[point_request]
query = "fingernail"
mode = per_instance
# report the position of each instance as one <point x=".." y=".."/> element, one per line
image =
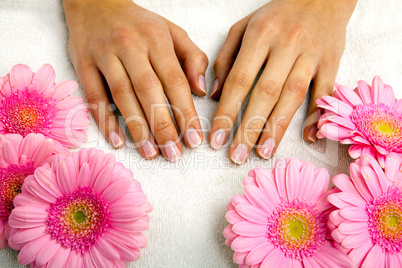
<point x="218" y="139"/>
<point x="172" y="152"/>
<point x="148" y="148"/>
<point x="214" y="87"/>
<point x="267" y="148"/>
<point x="193" y="138"/>
<point x="115" y="140"/>
<point x="201" y="83"/>
<point x="313" y="118"/>
<point x="239" y="155"/>
<point x="312" y="134"/>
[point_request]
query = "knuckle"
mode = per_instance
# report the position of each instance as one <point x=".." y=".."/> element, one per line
<point x="175" y="78"/>
<point x="268" y="89"/>
<point x="254" y="127"/>
<point x="239" y="78"/>
<point x="161" y="126"/>
<point x="121" y="89"/>
<point x="264" y="27"/>
<point x="298" y="33"/>
<point x="201" y="58"/>
<point x="298" y="87"/>
<point x="136" y="127"/>
<point x="146" y="83"/>
<point x="219" y="62"/>
<point x="93" y="97"/>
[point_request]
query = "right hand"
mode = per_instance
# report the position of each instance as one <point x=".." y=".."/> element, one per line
<point x="140" y="55"/>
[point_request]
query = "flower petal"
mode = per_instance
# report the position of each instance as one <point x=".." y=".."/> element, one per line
<point x="257" y="198"/>
<point x="29" y="252"/>
<point x="249" y="229"/>
<point x="372" y="181"/>
<point x="252" y="213"/>
<point x="364" y="91"/>
<point x="233" y="217"/>
<point x="292" y="179"/>
<point x="357" y="240"/>
<point x="20" y="76"/>
<point x="358" y="254"/>
<point x="375" y="258"/>
<point x="44" y="78"/>
<point x="258" y="254"/>
<point x="274" y="259"/>
<point x="347" y="95"/>
<point x="354" y="214"/>
<point x="106" y="249"/>
<point x="345" y="184"/>
<point x="26" y="235"/>
<point x="116" y="190"/>
<point x="47" y="252"/>
<point x="60" y="258"/>
<point x="103" y="179"/>
<point x="244" y="244"/>
<point x="351" y="227"/>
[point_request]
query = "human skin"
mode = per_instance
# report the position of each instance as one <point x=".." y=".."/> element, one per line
<point x="296" y="42"/>
<point x="142" y="57"/>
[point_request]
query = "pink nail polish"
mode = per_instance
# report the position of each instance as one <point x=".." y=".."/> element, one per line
<point x="201" y="83"/>
<point x="240" y="154"/>
<point x="172" y="152"/>
<point x="115" y="140"/>
<point x="218" y="139"/>
<point x="312" y="134"/>
<point x="148" y="148"/>
<point x="267" y="148"/>
<point x="193" y="138"/>
<point x="214" y="87"/>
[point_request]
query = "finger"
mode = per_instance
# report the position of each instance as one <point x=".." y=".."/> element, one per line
<point x="292" y="96"/>
<point x="126" y="101"/>
<point x="227" y="56"/>
<point x="193" y="60"/>
<point x="151" y="96"/>
<point x="99" y="104"/>
<point x="323" y="84"/>
<point x="262" y="101"/>
<point x="178" y="92"/>
<point x="251" y="57"/>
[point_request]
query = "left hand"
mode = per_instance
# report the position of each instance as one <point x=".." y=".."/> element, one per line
<point x="297" y="41"/>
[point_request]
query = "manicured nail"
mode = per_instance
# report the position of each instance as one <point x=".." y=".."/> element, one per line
<point x="201" y="83"/>
<point x="313" y="118"/>
<point x="172" y="152"/>
<point x="148" y="148"/>
<point x="193" y="138"/>
<point x="115" y="140"/>
<point x="267" y="148"/>
<point x="218" y="139"/>
<point x="239" y="155"/>
<point x="312" y="134"/>
<point x="214" y="87"/>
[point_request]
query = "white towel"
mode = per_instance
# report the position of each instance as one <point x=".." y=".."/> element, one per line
<point x="190" y="197"/>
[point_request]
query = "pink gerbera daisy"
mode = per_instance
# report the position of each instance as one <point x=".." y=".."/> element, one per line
<point x="19" y="157"/>
<point x="370" y="118"/>
<point x="83" y="211"/>
<point x="281" y="219"/>
<point x="33" y="103"/>
<point x="368" y="221"/>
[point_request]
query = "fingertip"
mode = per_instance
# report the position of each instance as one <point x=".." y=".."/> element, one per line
<point x="193" y="138"/>
<point x="117" y="140"/>
<point x="267" y="149"/>
<point x="172" y="151"/>
<point x="310" y="133"/>
<point x="215" y="92"/>
<point x="148" y="150"/>
<point x="200" y="87"/>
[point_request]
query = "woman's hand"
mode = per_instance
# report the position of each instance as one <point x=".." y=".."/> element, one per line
<point x="141" y="57"/>
<point x="297" y="42"/>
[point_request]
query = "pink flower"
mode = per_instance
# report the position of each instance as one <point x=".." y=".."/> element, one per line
<point x="281" y="219"/>
<point x="368" y="221"/>
<point x="33" y="103"/>
<point x="368" y="117"/>
<point x="19" y="157"/>
<point x="83" y="211"/>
